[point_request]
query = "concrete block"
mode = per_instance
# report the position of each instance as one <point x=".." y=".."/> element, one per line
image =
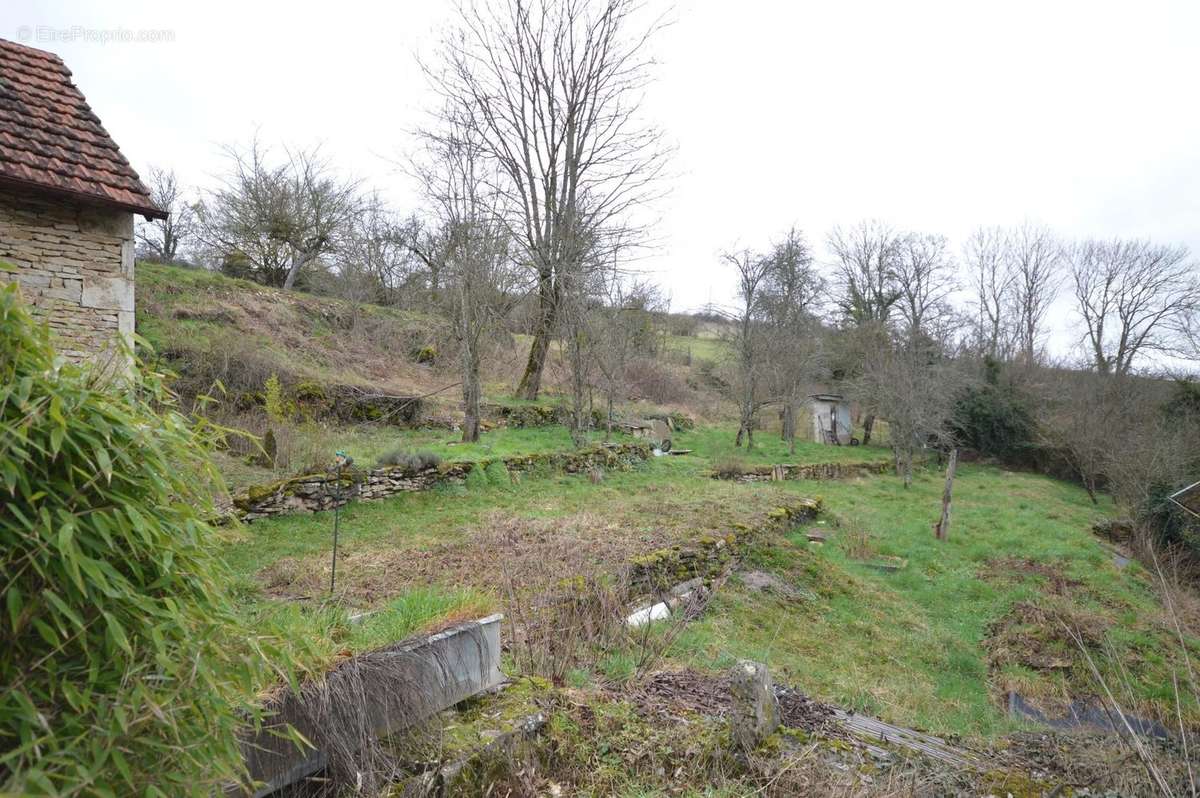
<point x="387" y="690"/>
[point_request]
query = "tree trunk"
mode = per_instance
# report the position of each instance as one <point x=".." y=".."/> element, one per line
<point x="868" y="424"/>
<point x="608" y="419"/>
<point x="908" y="458"/>
<point x="471" y="392"/>
<point x="298" y="263"/>
<point x="941" y="530"/>
<point x="531" y="381"/>
<point x="789" y="427"/>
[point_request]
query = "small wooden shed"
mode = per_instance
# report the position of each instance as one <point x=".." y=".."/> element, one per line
<point x="831" y="422"/>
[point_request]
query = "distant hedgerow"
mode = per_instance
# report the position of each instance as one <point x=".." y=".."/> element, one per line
<point x="122" y="664"/>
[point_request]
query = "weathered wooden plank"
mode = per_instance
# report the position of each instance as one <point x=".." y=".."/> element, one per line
<point x="868" y="728"/>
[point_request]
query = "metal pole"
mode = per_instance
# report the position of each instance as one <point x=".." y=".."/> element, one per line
<point x="337" y="507"/>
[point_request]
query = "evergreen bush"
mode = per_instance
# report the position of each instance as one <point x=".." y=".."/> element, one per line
<point x="122" y="663"/>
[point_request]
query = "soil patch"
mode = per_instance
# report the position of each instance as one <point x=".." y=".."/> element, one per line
<point x="1013" y="568"/>
<point x="668" y="694"/>
<point x="672" y="693"/>
<point x="370" y="575"/>
<point x="1039" y="635"/>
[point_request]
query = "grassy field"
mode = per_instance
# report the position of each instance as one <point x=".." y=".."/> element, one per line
<point x="708" y="348"/>
<point x="934" y="645"/>
<point x="938" y="643"/>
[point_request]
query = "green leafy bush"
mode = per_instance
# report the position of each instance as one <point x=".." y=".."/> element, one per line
<point x="277" y="406"/>
<point x="993" y="418"/>
<point x="122" y="663"/>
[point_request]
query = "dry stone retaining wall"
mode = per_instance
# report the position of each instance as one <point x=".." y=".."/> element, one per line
<point x="768" y="473"/>
<point x="707" y="556"/>
<point x="310" y="493"/>
<point x="74" y="265"/>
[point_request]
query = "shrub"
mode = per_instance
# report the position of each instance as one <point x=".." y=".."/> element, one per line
<point x="994" y="418"/>
<point x="498" y="475"/>
<point x="121" y="662"/>
<point x="425" y="355"/>
<point x="416" y="461"/>
<point x="651" y="380"/>
<point x="274" y="401"/>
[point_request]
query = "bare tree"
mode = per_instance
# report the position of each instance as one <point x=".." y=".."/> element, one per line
<point x="866" y="258"/>
<point x="750" y="339"/>
<point x="553" y="91"/>
<point x="619" y="332"/>
<point x="791" y="294"/>
<point x="476" y="258"/>
<point x="985" y="255"/>
<point x="925" y="278"/>
<point x="376" y="247"/>
<point x="1133" y="298"/>
<point x="578" y="325"/>
<point x="913" y="387"/>
<point x="1035" y="257"/>
<point x="167" y="239"/>
<point x="278" y="216"/>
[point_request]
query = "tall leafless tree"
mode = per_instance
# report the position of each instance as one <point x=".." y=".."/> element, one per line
<point x="279" y="215"/>
<point x="619" y="329"/>
<point x="476" y="258"/>
<point x="791" y="294"/>
<point x="912" y="385"/>
<point x="865" y="263"/>
<point x="985" y="258"/>
<point x="750" y="339"/>
<point x="1035" y="259"/>
<point x="925" y="278"/>
<point x="552" y="89"/>
<point x="1133" y="297"/>
<point x="167" y="239"/>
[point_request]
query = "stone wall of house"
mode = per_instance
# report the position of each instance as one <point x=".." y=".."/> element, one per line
<point x="314" y="492"/>
<point x="74" y="265"/>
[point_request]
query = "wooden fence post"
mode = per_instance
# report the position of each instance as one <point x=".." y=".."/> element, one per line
<point x="941" y="529"/>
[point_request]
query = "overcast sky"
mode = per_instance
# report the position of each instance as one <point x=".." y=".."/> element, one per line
<point x="932" y="116"/>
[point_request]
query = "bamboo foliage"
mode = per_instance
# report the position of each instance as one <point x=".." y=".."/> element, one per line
<point x="121" y="659"/>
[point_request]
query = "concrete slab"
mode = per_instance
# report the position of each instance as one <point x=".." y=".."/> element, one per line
<point x="372" y="694"/>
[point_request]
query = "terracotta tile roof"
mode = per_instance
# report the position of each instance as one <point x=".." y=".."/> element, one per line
<point x="51" y="140"/>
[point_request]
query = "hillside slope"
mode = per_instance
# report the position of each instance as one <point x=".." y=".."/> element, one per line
<point x="209" y="327"/>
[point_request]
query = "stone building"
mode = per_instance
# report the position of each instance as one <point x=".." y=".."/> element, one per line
<point x="67" y="204"/>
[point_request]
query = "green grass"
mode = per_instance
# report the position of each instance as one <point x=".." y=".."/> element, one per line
<point x="907" y="646"/>
<point x="713" y="443"/>
<point x="315" y="634"/>
<point x="367" y="445"/>
<point x="702" y="348"/>
<point x="312" y="446"/>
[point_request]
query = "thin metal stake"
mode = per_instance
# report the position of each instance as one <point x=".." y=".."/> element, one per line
<point x="337" y="507"/>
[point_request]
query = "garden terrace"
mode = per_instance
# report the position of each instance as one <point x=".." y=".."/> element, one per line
<point x="936" y="617"/>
